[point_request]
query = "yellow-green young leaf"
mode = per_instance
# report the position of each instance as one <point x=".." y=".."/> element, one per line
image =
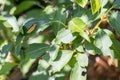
<point x="82" y="3"/>
<point x="77" y="25"/>
<point x="95" y="5"/>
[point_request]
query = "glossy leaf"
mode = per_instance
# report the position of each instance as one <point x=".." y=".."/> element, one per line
<point x="66" y="55"/>
<point x="82" y="60"/>
<point x="82" y="3"/>
<point x="39" y="75"/>
<point x="40" y="25"/>
<point x="114" y="20"/>
<point x="103" y="2"/>
<point x="7" y="48"/>
<point x="36" y="50"/>
<point x="43" y="65"/>
<point x="65" y="36"/>
<point x="77" y="25"/>
<point x="53" y="51"/>
<point x="26" y="65"/>
<point x="95" y="5"/>
<point x="76" y="73"/>
<point x="59" y="19"/>
<point x="103" y="42"/>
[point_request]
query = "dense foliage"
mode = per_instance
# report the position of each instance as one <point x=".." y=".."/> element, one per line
<point x="55" y="39"/>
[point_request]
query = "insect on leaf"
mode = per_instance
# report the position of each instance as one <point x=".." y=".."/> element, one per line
<point x="32" y="28"/>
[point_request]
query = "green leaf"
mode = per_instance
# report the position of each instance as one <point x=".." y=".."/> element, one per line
<point x="38" y="24"/>
<point x="95" y="5"/>
<point x="53" y="51"/>
<point x="39" y="76"/>
<point x="76" y="73"/>
<point x="6" y="67"/>
<point x="35" y="50"/>
<point x="7" y="48"/>
<point x="11" y="20"/>
<point x="114" y="20"/>
<point x="65" y="36"/>
<point x="34" y="13"/>
<point x="115" y="47"/>
<point x="77" y="25"/>
<point x="59" y="19"/>
<point x="103" y="2"/>
<point x="103" y="42"/>
<point x="82" y="3"/>
<point x="66" y="55"/>
<point x="17" y="49"/>
<point x="43" y="64"/>
<point x="26" y="65"/>
<point x="82" y="60"/>
<point x="116" y="4"/>
<point x="23" y="6"/>
<point x="92" y="49"/>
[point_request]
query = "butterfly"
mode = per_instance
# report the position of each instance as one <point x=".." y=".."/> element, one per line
<point x="31" y="28"/>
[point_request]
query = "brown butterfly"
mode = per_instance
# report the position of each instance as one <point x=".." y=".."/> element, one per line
<point x="31" y="28"/>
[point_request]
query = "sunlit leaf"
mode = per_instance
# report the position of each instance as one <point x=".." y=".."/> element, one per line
<point x="82" y="60"/>
<point x="26" y="65"/>
<point x="76" y="73"/>
<point x="39" y="75"/>
<point x="82" y="3"/>
<point x="103" y="42"/>
<point x="65" y="36"/>
<point x="53" y="51"/>
<point x="95" y="5"/>
<point x="43" y="65"/>
<point x="103" y="2"/>
<point x="77" y="25"/>
<point x="13" y="22"/>
<point x="64" y="59"/>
